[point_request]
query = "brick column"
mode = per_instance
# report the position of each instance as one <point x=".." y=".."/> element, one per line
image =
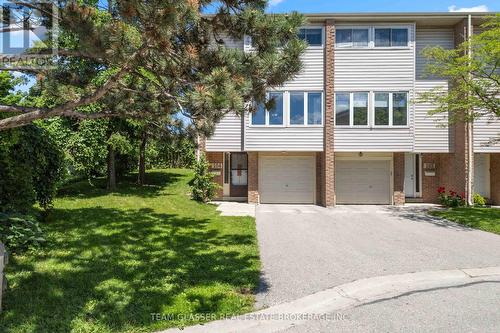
<point x="463" y="157"/>
<point x="253" y="177"/>
<point x="328" y="154"/>
<point x="495" y="178"/>
<point x="399" y="178"/>
<point x="217" y="159"/>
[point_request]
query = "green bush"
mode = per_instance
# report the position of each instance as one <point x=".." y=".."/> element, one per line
<point x="479" y="200"/>
<point x="20" y="233"/>
<point x="203" y="188"/>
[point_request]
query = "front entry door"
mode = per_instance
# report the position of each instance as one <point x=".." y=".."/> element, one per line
<point x="239" y="175"/>
<point x="412" y="175"/>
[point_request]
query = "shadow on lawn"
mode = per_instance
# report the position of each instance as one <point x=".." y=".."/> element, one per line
<point x="155" y="183"/>
<point x="115" y="267"/>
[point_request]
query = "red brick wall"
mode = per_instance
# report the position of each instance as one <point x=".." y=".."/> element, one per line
<point x="399" y="178"/>
<point x="329" y="155"/>
<point x="217" y="157"/>
<point x="253" y="177"/>
<point x="495" y="178"/>
<point x="319" y="179"/>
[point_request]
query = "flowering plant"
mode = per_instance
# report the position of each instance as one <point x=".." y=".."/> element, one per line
<point x="450" y="199"/>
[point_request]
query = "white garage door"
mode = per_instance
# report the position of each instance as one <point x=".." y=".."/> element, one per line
<point x="287" y="179"/>
<point x="363" y="182"/>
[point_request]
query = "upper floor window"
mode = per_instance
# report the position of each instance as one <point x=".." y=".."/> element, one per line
<point x="313" y="36"/>
<point x="352" y="37"/>
<point x="351" y="109"/>
<point x="387" y="37"/>
<point x="273" y="116"/>
<point x="389" y="109"/>
<point x="306" y="108"/>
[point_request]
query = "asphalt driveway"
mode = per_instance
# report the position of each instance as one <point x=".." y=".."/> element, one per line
<point x="305" y="249"/>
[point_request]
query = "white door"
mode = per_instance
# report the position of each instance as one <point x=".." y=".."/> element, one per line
<point x="409" y="175"/>
<point x="363" y="182"/>
<point x="482" y="174"/>
<point x="287" y="179"/>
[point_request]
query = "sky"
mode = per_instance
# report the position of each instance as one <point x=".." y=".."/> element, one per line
<point x="325" y="6"/>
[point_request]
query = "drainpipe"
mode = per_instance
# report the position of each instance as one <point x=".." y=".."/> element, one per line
<point x="470" y="142"/>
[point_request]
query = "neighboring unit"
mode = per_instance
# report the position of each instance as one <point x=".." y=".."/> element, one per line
<point x="349" y="129"/>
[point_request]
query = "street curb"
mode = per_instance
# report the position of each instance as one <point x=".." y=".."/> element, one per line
<point x="356" y="293"/>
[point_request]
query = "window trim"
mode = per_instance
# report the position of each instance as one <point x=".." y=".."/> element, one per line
<point x="266" y="115"/>
<point x="306" y="108"/>
<point x="391" y="110"/>
<point x="371" y="36"/>
<point x="352" y="42"/>
<point x="322" y="35"/>
<point x="351" y="109"/>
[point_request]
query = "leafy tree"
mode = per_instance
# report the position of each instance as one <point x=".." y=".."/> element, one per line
<point x="170" y="45"/>
<point x="203" y="187"/>
<point x="474" y="69"/>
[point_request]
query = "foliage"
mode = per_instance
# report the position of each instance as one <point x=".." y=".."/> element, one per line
<point x="450" y="199"/>
<point x="478" y="200"/>
<point x="31" y="166"/>
<point x="172" y="49"/>
<point x="475" y="78"/>
<point x="487" y="219"/>
<point x="110" y="260"/>
<point x="203" y="187"/>
<point x="20" y="233"/>
<point x="171" y="154"/>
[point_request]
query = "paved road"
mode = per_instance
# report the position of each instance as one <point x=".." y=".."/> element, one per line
<point x="305" y="249"/>
<point x="473" y="308"/>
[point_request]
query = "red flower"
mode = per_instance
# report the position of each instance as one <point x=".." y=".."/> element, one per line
<point x="462" y="195"/>
<point x="453" y="193"/>
<point x="441" y="190"/>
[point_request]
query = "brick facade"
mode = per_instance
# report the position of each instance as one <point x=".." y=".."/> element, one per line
<point x="495" y="178"/>
<point x="218" y="158"/>
<point x="320" y="184"/>
<point x="328" y="172"/>
<point x="253" y="177"/>
<point x="399" y="178"/>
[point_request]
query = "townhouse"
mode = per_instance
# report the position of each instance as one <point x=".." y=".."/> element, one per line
<point x="349" y="128"/>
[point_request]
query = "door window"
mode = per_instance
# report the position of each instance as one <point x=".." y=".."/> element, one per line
<point x="239" y="169"/>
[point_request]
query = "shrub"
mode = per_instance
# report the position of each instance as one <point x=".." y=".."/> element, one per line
<point x="19" y="232"/>
<point x="450" y="198"/>
<point x="203" y="188"/>
<point x="478" y="200"/>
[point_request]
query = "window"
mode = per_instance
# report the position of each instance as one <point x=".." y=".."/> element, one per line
<point x="360" y="109"/>
<point x="312" y="36"/>
<point x="351" y="37"/>
<point x="351" y="109"/>
<point x="385" y="37"/>
<point x="314" y="108"/>
<point x="382" y="109"/>
<point x="276" y="112"/>
<point x="391" y="109"/>
<point x="297" y="108"/>
<point x="399" y="109"/>
<point x="342" y="108"/>
<point x="273" y="116"/>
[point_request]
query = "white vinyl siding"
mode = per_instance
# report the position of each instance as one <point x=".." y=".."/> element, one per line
<point x="376" y="69"/>
<point x="486" y="135"/>
<point x="227" y="135"/>
<point x="432" y="133"/>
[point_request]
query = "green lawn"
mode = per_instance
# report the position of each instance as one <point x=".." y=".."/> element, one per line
<point x="113" y="259"/>
<point x="487" y="219"/>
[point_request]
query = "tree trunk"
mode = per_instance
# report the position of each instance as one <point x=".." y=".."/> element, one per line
<point x="141" y="177"/>
<point x="111" y="169"/>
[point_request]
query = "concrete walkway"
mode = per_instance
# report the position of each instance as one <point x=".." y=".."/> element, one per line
<point x="232" y="208"/>
<point x="320" y="305"/>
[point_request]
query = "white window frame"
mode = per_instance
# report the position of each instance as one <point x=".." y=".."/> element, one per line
<point x="391" y="93"/>
<point x="322" y="35"/>
<point x="267" y="124"/>
<point x="371" y="36"/>
<point x="351" y="109"/>
<point x="306" y="108"/>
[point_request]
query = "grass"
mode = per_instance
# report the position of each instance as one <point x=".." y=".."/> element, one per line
<point x="487" y="219"/>
<point x="113" y="259"/>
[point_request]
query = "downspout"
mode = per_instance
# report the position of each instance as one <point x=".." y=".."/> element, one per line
<point x="470" y="141"/>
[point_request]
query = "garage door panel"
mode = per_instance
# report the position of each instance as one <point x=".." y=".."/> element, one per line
<point x="287" y="179"/>
<point x="363" y="182"/>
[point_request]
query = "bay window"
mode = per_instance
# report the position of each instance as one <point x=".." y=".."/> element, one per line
<point x="351" y="109"/>
<point x="391" y="109"/>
